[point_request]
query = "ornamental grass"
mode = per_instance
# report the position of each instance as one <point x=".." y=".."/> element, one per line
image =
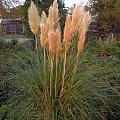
<point x="53" y="82"/>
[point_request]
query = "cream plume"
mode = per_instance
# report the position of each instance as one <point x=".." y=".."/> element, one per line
<point x="85" y="21"/>
<point x="43" y="35"/>
<point x="55" y="7"/>
<point x="44" y="18"/>
<point x="50" y="20"/>
<point x="67" y="32"/>
<point x="51" y="41"/>
<point x="81" y="42"/>
<point x="43" y="29"/>
<point x="33" y="18"/>
<point x="76" y="18"/>
<point x="58" y="42"/>
<point x="84" y="24"/>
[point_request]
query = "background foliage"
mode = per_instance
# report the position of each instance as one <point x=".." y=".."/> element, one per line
<point x="107" y="13"/>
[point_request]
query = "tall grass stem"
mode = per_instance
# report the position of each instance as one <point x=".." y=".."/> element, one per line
<point x="63" y="76"/>
<point x="51" y="73"/>
<point x="56" y="77"/>
<point x="38" y="56"/>
<point x="45" y="66"/>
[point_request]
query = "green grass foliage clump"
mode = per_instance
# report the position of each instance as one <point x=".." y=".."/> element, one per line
<point x="89" y="95"/>
<point x="59" y="81"/>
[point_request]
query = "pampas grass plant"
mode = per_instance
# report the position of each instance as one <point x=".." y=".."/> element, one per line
<point x="52" y="85"/>
<point x="33" y="18"/>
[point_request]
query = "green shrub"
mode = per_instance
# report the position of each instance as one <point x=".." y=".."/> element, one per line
<point x="5" y="112"/>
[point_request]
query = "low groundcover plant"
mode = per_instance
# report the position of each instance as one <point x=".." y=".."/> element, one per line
<point x="51" y="85"/>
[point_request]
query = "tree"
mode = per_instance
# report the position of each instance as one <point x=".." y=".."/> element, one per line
<point x="10" y="9"/>
<point x="107" y="13"/>
<point x="10" y="3"/>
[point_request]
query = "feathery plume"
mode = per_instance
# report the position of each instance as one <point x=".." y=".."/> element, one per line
<point x="43" y="29"/>
<point x="76" y="18"/>
<point x="55" y="7"/>
<point x="50" y="20"/>
<point x="84" y="24"/>
<point x="81" y="42"/>
<point x="44" y="18"/>
<point x="67" y="32"/>
<point x="58" y="42"/>
<point x="51" y="41"/>
<point x="43" y="35"/>
<point x="85" y="21"/>
<point x="33" y="18"/>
